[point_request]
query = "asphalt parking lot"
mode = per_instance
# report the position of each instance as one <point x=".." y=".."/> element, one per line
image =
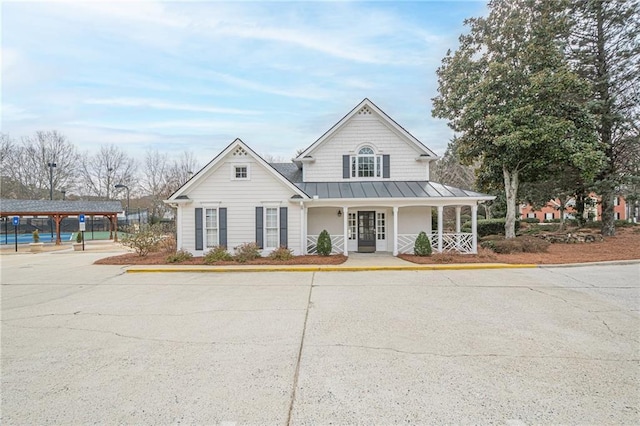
<point x="91" y="344"/>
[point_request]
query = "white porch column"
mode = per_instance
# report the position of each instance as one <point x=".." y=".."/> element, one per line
<point x="179" y="237"/>
<point x="303" y="227"/>
<point x="429" y="221"/>
<point x="458" y="208"/>
<point x="395" y="231"/>
<point x="474" y="229"/>
<point x="440" y="226"/>
<point x="345" y="224"/>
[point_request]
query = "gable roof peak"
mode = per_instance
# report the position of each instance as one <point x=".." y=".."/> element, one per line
<point x="366" y="107"/>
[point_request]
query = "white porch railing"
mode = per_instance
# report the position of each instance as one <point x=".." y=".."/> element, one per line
<point x="461" y="242"/>
<point x="337" y="244"/>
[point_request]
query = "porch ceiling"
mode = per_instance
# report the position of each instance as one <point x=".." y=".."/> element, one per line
<point x="387" y="189"/>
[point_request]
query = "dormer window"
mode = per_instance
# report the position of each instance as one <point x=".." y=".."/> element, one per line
<point x="366" y="164"/>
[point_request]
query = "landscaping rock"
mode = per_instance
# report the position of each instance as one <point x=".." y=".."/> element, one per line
<point x="571" y="238"/>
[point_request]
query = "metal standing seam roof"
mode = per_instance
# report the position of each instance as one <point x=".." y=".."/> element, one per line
<point x="58" y="206"/>
<point x="385" y="189"/>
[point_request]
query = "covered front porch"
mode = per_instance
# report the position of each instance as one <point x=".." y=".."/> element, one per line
<point x="387" y="228"/>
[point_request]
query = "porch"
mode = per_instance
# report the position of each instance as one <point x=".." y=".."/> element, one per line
<point x="460" y="242"/>
<point x="391" y="229"/>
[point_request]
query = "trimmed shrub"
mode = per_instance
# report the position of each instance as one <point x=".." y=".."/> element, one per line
<point x="422" y="246"/>
<point x="246" y="252"/>
<point x="524" y="244"/>
<point x="490" y="226"/>
<point x="36" y="236"/>
<point x="217" y="254"/>
<point x="623" y="224"/>
<point x="281" y="253"/>
<point x="530" y="220"/>
<point x="79" y="237"/>
<point x="168" y="244"/>
<point x="179" y="256"/>
<point x="144" y="241"/>
<point x="324" y="243"/>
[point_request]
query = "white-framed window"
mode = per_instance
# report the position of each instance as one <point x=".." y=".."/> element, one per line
<point x="617" y="215"/>
<point x="616" y="201"/>
<point x="351" y="227"/>
<point x="240" y="172"/>
<point x="380" y="226"/>
<point x="548" y="216"/>
<point x="366" y="164"/>
<point x="211" y="227"/>
<point x="531" y="215"/>
<point x="271" y="228"/>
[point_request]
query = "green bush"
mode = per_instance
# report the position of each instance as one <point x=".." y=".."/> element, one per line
<point x="490" y="226"/>
<point x="179" y="256"/>
<point x="623" y="224"/>
<point x="144" y="241"/>
<point x="465" y="218"/>
<point x="324" y="243"/>
<point x="523" y="244"/>
<point x="217" y="254"/>
<point x="246" y="252"/>
<point x="36" y="236"/>
<point x="422" y="246"/>
<point x="79" y="237"/>
<point x="530" y="220"/>
<point x="281" y="253"/>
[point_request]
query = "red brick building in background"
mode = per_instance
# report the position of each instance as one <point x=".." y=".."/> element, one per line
<point x="622" y="211"/>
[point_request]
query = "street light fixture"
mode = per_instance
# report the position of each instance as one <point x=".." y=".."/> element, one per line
<point x="126" y="213"/>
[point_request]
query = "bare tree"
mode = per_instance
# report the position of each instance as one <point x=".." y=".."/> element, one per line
<point x="182" y="169"/>
<point x="41" y="166"/>
<point x="450" y="171"/>
<point x="155" y="180"/>
<point x="108" y="167"/>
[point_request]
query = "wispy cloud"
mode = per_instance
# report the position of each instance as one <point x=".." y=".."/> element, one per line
<point x="156" y="104"/>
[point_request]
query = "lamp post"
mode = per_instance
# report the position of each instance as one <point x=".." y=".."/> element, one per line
<point x="51" y="166"/>
<point x="126" y="213"/>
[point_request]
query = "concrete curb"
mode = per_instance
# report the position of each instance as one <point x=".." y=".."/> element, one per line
<point x="328" y="268"/>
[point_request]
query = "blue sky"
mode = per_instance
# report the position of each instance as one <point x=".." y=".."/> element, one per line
<point x="195" y="75"/>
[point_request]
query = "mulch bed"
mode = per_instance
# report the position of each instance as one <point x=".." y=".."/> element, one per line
<point x="624" y="246"/>
<point x="160" y="259"/>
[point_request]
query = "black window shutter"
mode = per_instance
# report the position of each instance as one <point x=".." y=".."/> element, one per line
<point x="386" y="166"/>
<point x="222" y="217"/>
<point x="199" y="229"/>
<point x="283" y="227"/>
<point x="345" y="166"/>
<point x="259" y="228"/>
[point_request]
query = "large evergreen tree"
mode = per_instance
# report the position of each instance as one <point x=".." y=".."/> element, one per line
<point x="510" y="94"/>
<point x="605" y="50"/>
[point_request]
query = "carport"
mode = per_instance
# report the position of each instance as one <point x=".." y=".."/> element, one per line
<point x="60" y="209"/>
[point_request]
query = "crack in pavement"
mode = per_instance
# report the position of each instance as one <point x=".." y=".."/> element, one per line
<point x="150" y="339"/>
<point x="297" y="371"/>
<point x="79" y="313"/>
<point x="478" y="355"/>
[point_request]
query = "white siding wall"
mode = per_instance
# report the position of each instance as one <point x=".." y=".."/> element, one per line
<point x="365" y="129"/>
<point x="320" y="218"/>
<point x="412" y="220"/>
<point x="240" y="197"/>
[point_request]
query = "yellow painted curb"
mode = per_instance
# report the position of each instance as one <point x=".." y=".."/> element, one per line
<point x="323" y="268"/>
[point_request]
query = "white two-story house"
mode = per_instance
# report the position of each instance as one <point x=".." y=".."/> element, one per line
<point x="366" y="181"/>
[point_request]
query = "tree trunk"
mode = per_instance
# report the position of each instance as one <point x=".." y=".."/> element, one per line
<point x="608" y="228"/>
<point x="561" y="209"/>
<point x="511" y="191"/>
